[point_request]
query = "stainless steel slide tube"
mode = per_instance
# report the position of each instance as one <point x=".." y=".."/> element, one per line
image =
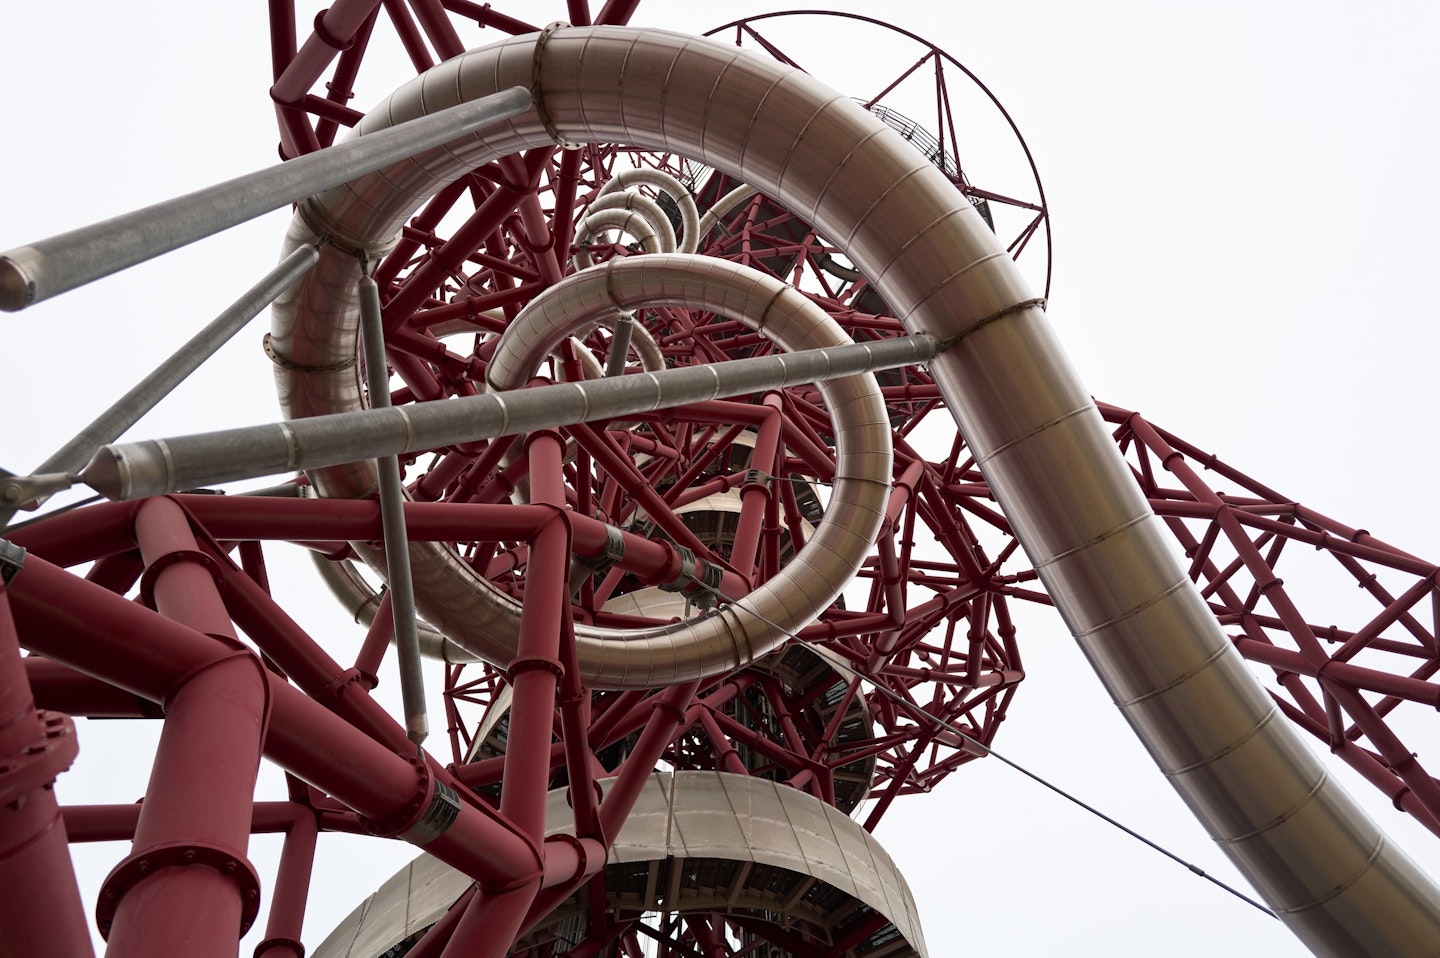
<point x="1312" y="854"/>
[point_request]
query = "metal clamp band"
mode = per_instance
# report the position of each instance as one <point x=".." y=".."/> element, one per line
<point x="585" y="566"/>
<point x="535" y="87"/>
<point x="708" y="579"/>
<point x="284" y="363"/>
<point x="12" y="557"/>
<point x="444" y="808"/>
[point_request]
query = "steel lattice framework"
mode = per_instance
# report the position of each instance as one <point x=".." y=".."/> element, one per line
<point x="162" y="607"/>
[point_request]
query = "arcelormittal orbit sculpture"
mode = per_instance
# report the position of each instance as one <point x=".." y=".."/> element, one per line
<point x="619" y="377"/>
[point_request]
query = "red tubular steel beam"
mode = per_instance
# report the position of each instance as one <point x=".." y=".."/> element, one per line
<point x="292" y="889"/>
<point x="116" y="823"/>
<point x="1365" y="762"/>
<point x="258" y="517"/>
<point x="578" y="12"/>
<point x="490" y="924"/>
<point x="535" y="670"/>
<point x="333" y="28"/>
<point x="187" y="886"/>
<point x="444" y="260"/>
<point x="1264" y="576"/>
<point x="581" y="765"/>
<point x="484" y="16"/>
<point x="438" y="28"/>
<point x="40" y="909"/>
<point x="99" y="633"/>
<point x="1352" y="676"/>
<point x="60" y="688"/>
<point x="434" y="941"/>
<point x="668" y="715"/>
<point x="755" y="495"/>
<point x="305" y="663"/>
<point x="82" y="535"/>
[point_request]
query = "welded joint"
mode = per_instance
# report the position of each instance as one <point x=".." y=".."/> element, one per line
<point x="238" y="652"/>
<point x="272" y="946"/>
<point x="536" y="95"/>
<point x="663" y="704"/>
<point x="535" y="663"/>
<point x="284" y="363"/>
<point x="328" y="37"/>
<point x="764" y="312"/>
<point x="326" y="234"/>
<point x="589" y="856"/>
<point x="943" y="344"/>
<point x="146" y="862"/>
<point x="419" y="809"/>
<point x="336" y="686"/>
<point x="160" y="563"/>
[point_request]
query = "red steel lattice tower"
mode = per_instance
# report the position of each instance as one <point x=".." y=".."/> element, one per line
<point x="685" y="638"/>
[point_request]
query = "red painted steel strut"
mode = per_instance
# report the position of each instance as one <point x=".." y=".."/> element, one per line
<point x="933" y="630"/>
<point x="187" y="886"/>
<point x="40" y="909"/>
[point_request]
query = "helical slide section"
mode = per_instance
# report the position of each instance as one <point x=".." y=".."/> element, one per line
<point x="1319" y="862"/>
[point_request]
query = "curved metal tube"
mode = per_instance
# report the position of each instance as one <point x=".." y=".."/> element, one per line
<point x="723" y="207"/>
<point x="472" y="613"/>
<point x="634" y="221"/>
<point x="635" y="202"/>
<point x="684" y="199"/>
<point x="1312" y="854"/>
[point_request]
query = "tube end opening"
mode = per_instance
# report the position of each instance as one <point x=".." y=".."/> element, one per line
<point x="17" y="289"/>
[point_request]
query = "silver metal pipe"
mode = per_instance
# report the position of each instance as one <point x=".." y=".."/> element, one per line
<point x="147" y="393"/>
<point x="1314" y="856"/>
<point x="620" y="345"/>
<point x="723" y="207"/>
<point x="153" y="467"/>
<point x="29" y="274"/>
<point x="660" y="180"/>
<point x="485" y="620"/>
<point x="633" y="222"/>
<point x="392" y="522"/>
<point x="634" y="202"/>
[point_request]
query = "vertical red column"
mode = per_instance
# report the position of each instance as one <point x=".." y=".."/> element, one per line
<point x="755" y="494"/>
<point x="535" y="671"/>
<point x="186" y="887"/>
<point x="40" y="910"/>
<point x="492" y="920"/>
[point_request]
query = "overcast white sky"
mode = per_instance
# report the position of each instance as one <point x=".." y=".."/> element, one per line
<point x="1242" y="197"/>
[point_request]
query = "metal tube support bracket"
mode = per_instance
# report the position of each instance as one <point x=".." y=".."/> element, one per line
<point x="55" y="474"/>
<point x="392" y="520"/>
<point x="160" y="466"/>
<point x="46" y="268"/>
